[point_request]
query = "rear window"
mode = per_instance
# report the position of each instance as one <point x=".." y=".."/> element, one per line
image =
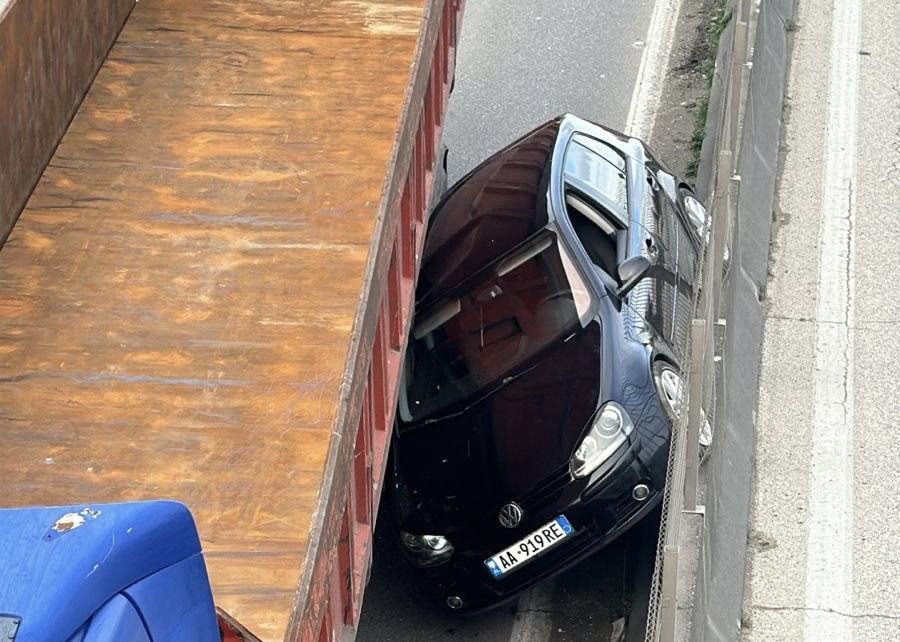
<point x="489" y="212"/>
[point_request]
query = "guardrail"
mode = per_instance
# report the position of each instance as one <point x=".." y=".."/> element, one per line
<point x="666" y="621"/>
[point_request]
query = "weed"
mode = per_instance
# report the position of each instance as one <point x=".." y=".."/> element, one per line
<point x="721" y="16"/>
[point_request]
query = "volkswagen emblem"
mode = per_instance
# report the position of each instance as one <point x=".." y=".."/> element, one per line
<point x="510" y="515"/>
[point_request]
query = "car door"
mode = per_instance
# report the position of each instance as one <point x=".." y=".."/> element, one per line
<point x="655" y="236"/>
<point x="685" y="258"/>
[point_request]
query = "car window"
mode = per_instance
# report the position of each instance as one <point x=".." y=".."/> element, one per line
<point x="680" y="243"/>
<point x="492" y="329"/>
<point x="596" y="231"/>
<point x="499" y="205"/>
<point x="655" y="297"/>
<point x="687" y="260"/>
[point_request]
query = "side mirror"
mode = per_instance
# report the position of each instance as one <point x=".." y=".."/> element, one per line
<point x="631" y="271"/>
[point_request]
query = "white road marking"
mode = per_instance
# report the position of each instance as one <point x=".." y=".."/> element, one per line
<point x="829" y="567"/>
<point x="534" y="621"/>
<point x="652" y="71"/>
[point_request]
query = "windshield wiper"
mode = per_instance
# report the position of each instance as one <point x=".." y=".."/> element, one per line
<point x="505" y="381"/>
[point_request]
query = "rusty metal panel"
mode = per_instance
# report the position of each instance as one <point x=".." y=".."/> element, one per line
<point x="186" y="307"/>
<point x="49" y="53"/>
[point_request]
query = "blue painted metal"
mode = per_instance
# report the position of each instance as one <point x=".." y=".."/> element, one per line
<point x="59" y="566"/>
<point x="176" y="603"/>
<point x="117" y="620"/>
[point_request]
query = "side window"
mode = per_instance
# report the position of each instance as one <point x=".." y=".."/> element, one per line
<point x="659" y="239"/>
<point x="597" y="233"/>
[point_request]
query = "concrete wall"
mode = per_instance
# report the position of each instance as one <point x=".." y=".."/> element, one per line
<point x="720" y="578"/>
<point x="50" y="51"/>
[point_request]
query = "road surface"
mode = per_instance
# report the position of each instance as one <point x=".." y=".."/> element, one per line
<point x="824" y="520"/>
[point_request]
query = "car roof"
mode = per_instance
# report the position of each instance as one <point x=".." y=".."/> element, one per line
<point x="598" y="171"/>
<point x="503" y="202"/>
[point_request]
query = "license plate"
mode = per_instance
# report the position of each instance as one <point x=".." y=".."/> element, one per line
<point x="546" y="537"/>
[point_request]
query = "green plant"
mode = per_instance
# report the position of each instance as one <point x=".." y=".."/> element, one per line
<point x="720" y="17"/>
<point x="697" y="137"/>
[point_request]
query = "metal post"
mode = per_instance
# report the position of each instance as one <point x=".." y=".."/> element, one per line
<point x="712" y="275"/>
<point x="720" y="240"/>
<point x="668" y="599"/>
<point x="738" y="65"/>
<point x="743" y="9"/>
<point x="723" y="174"/>
<point x="695" y="405"/>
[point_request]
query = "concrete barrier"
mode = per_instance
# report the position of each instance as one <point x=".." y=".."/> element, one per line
<point x="719" y="582"/>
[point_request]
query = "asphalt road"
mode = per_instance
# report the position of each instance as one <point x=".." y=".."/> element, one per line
<point x="520" y="63"/>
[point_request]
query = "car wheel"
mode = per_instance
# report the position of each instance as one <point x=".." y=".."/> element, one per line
<point x="670" y="386"/>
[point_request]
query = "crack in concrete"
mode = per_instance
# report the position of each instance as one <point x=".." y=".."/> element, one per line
<point x="803" y="609"/>
<point x="893" y="175"/>
<point x="829" y="560"/>
<point x="855" y="327"/>
<point x="848" y="304"/>
<point x="874" y="325"/>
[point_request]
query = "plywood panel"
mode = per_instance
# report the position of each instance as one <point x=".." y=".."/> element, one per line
<point x="177" y="299"/>
<point x="49" y="52"/>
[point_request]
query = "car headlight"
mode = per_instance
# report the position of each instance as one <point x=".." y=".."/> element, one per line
<point x="611" y="428"/>
<point x="427" y="550"/>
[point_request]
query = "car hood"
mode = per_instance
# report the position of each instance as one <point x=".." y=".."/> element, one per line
<point x="509" y="441"/>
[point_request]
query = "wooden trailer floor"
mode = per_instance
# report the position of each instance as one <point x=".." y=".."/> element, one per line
<point x="177" y="298"/>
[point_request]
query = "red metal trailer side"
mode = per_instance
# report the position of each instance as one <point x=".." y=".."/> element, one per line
<point x="372" y="393"/>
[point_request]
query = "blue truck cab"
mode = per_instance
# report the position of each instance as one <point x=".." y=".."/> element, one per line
<point x="130" y="572"/>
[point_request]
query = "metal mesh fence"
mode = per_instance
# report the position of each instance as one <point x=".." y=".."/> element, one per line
<point x="678" y="453"/>
<point x="700" y="348"/>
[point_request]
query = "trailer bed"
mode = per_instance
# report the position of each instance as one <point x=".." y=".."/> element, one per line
<point x="182" y="298"/>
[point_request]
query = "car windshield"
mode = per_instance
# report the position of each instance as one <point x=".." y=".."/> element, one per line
<point x="491" y="328"/>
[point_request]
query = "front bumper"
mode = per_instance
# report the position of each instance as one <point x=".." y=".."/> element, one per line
<point x="600" y="513"/>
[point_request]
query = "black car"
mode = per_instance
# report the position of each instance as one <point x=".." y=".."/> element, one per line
<point x="542" y="376"/>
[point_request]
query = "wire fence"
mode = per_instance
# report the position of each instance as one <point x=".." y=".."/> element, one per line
<point x="685" y="456"/>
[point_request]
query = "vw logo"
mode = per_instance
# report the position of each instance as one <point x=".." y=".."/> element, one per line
<point x="510" y="515"/>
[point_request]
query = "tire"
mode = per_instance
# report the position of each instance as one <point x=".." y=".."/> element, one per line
<point x="670" y="387"/>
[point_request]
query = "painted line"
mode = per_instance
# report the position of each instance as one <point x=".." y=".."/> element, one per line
<point x="829" y="565"/>
<point x="534" y="617"/>
<point x="651" y="75"/>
